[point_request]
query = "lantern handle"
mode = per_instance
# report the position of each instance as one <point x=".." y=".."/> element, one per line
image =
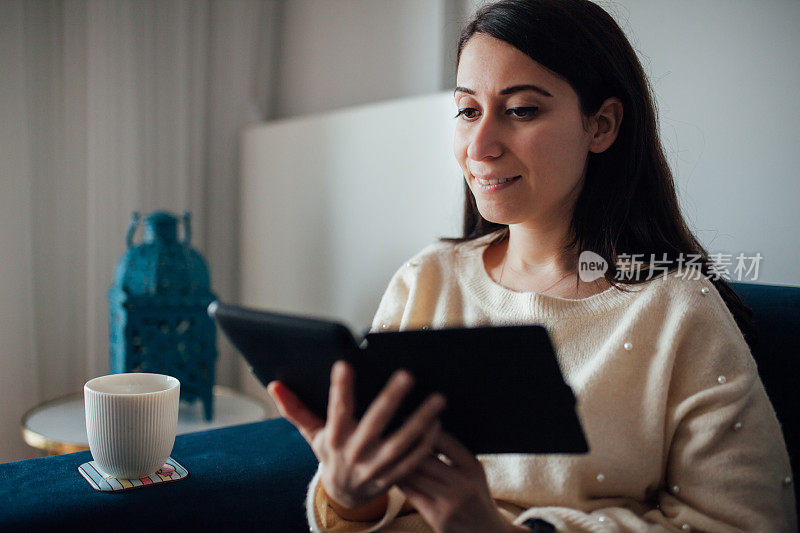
<point x="132" y="228"/>
<point x="187" y="227"/>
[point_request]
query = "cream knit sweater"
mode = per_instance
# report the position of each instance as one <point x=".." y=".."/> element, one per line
<point x="681" y="432"/>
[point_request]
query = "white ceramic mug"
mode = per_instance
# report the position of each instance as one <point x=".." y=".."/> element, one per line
<point x="131" y="421"/>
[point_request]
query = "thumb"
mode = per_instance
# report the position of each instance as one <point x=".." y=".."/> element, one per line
<point x="295" y="411"/>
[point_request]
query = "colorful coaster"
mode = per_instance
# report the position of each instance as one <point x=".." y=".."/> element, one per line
<point x="99" y="480"/>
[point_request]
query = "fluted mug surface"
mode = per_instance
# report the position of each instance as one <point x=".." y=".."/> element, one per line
<point x="131" y="420"/>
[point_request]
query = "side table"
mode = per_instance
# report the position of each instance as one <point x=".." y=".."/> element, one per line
<point x="59" y="426"/>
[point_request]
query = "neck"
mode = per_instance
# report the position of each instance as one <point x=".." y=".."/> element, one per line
<point x="539" y="251"/>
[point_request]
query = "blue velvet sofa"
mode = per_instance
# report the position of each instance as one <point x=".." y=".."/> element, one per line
<point x="253" y="477"/>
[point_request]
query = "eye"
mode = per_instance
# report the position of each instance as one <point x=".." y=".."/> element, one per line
<point x="522" y="112"/>
<point x="469" y="113"/>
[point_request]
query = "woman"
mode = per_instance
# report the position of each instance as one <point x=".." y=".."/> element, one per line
<point x="557" y="140"/>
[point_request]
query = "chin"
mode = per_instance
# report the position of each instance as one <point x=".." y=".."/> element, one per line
<point x="492" y="215"/>
<point x="497" y="213"/>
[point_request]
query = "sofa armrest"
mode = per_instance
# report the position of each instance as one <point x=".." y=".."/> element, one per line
<point x="249" y="477"/>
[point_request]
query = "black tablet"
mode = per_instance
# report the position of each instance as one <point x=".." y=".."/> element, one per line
<point x="504" y="389"/>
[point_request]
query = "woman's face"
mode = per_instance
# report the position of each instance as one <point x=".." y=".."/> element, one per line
<point x="509" y="129"/>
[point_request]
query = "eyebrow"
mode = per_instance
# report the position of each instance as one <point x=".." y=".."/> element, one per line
<point x="509" y="90"/>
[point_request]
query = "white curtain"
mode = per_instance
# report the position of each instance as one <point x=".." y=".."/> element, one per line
<point x="107" y="107"/>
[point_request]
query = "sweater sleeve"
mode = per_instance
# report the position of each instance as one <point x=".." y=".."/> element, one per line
<point x="726" y="465"/>
<point x="321" y="517"/>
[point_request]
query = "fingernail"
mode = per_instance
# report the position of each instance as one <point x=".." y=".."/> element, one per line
<point x="338" y="369"/>
<point x="438" y="401"/>
<point x="403" y="377"/>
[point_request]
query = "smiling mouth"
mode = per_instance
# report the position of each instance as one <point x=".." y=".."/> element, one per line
<point x="498" y="181"/>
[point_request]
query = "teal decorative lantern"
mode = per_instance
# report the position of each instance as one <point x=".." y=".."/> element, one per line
<point x="157" y="309"/>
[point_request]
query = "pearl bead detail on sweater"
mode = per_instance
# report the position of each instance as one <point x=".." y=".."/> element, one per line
<point x="601" y="477"/>
<point x="602" y="518"/>
<point x="686" y="527"/>
<point x="737" y="426"/>
<point x="676" y="489"/>
<point x="704" y="291"/>
<point x="721" y="380"/>
<point x="384" y="326"/>
<point x="787" y="481"/>
<point x="628" y="346"/>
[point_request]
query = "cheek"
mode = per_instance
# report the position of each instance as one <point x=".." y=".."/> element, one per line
<point x="545" y="140"/>
<point x="460" y="145"/>
<point x="553" y="150"/>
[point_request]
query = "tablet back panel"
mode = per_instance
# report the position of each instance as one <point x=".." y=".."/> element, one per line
<point x="504" y="389"/>
<point x="497" y="381"/>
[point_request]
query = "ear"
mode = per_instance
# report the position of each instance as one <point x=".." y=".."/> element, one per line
<point x="606" y="124"/>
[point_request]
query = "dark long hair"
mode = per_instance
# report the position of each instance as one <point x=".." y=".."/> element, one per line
<point x="628" y="203"/>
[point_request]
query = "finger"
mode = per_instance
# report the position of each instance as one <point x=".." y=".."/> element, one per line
<point x="455" y="451"/>
<point x="411" y="431"/>
<point x="295" y="411"/>
<point x="340" y="403"/>
<point x="383" y="407"/>
<point x="391" y="474"/>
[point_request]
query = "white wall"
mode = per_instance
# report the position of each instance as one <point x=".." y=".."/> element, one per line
<point x="726" y="75"/>
<point x="339" y="53"/>
<point x="333" y="204"/>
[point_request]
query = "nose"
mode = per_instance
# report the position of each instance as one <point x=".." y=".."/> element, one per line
<point x="485" y="141"/>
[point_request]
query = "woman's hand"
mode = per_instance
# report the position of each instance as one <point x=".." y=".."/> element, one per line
<point x="451" y="493"/>
<point x="357" y="463"/>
